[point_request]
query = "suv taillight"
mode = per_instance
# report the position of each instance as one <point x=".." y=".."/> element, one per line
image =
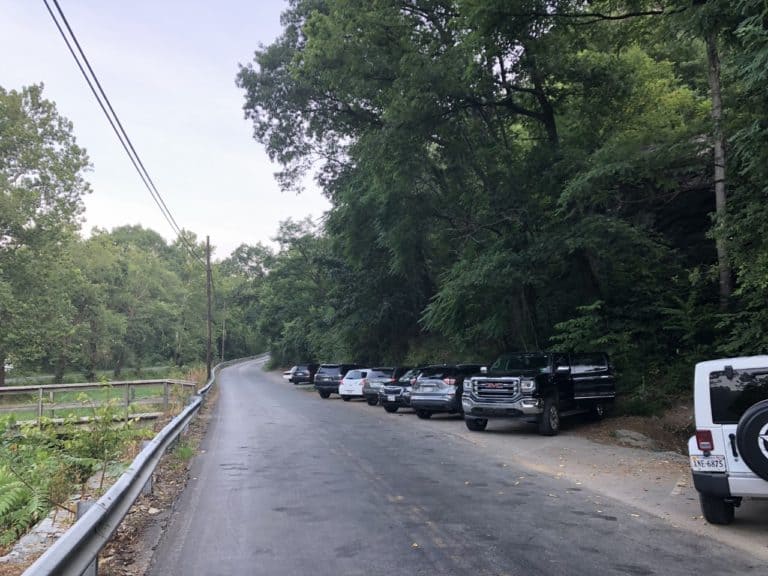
<point x="450" y="381"/>
<point x="704" y="440"/>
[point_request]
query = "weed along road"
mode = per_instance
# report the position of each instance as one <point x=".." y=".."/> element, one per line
<point x="290" y="484"/>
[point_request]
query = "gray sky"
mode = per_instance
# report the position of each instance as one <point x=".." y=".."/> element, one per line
<point x="168" y="67"/>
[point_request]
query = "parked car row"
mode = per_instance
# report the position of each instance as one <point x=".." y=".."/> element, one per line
<point x="728" y="453"/>
<point x="540" y="387"/>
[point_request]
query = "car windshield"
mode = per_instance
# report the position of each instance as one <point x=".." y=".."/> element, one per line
<point x="406" y="378"/>
<point x="523" y="361"/>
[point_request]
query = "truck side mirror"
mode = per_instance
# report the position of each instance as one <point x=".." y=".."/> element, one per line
<point x="483" y="369"/>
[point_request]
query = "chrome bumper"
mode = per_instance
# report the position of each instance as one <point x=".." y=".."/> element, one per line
<point x="525" y="406"/>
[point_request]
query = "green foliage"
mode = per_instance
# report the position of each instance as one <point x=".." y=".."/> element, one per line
<point x="41" y="465"/>
<point x="506" y="177"/>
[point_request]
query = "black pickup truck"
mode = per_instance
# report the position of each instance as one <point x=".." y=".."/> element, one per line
<point x="539" y="387"/>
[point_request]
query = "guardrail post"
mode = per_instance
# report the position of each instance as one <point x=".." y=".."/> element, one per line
<point x="82" y="507"/>
<point x="147" y="489"/>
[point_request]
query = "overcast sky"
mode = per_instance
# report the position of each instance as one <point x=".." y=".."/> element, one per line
<point x="168" y="67"/>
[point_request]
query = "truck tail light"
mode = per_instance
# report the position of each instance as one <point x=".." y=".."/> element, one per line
<point x="704" y="440"/>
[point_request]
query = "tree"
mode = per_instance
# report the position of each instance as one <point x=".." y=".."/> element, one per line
<point x="41" y="189"/>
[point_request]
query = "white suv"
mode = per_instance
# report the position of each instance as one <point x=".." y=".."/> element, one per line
<point x="729" y="453"/>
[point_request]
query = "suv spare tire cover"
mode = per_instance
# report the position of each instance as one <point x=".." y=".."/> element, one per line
<point x="752" y="438"/>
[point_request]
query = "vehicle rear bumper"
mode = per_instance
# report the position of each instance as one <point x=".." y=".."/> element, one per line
<point x="723" y="485"/>
<point x="327" y="387"/>
<point x="434" y="403"/>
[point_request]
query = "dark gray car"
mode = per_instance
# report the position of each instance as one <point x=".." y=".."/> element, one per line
<point x="328" y="378"/>
<point x="379" y="377"/>
<point x="397" y="395"/>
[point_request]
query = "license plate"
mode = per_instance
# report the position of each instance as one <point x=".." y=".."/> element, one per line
<point x="708" y="463"/>
<point x="390" y="398"/>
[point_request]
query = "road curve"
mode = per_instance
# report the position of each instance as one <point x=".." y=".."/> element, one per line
<point x="289" y="484"/>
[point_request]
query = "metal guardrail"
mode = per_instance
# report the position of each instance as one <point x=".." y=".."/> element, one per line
<point x="78" y="547"/>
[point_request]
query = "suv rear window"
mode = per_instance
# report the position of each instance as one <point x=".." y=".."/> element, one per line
<point x="330" y="370"/>
<point x="380" y="373"/>
<point x="438" y="371"/>
<point x="355" y="374"/>
<point x="730" y="397"/>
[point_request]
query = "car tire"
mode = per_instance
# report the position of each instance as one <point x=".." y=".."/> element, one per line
<point x="549" y="420"/>
<point x="752" y="438"/>
<point x="716" y="510"/>
<point x="597" y="412"/>
<point x="324" y="393"/>
<point x="372" y="401"/>
<point x="346" y="398"/>
<point x="476" y="424"/>
<point x="390" y="408"/>
<point x="424" y="414"/>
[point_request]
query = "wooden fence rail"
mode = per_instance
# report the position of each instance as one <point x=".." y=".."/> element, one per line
<point x="138" y="398"/>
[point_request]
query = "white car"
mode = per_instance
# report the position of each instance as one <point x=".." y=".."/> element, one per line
<point x="729" y="452"/>
<point x="352" y="384"/>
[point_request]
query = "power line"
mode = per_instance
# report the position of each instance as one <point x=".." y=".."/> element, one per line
<point x="117" y="126"/>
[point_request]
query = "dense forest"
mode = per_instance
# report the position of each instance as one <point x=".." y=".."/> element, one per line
<point x="504" y="174"/>
<point x="519" y="174"/>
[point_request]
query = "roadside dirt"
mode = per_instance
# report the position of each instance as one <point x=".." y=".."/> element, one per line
<point x="668" y="432"/>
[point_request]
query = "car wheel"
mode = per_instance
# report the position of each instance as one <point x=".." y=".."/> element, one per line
<point x="752" y="438"/>
<point x="390" y="408"/>
<point x="324" y="394"/>
<point x="597" y="412"/>
<point x="346" y="398"/>
<point x="373" y="401"/>
<point x="549" y="420"/>
<point x="716" y="510"/>
<point x="476" y="424"/>
<point x="424" y="414"/>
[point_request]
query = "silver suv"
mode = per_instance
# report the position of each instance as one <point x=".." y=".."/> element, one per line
<point x="729" y="452"/>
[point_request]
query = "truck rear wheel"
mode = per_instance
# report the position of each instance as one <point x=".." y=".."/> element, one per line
<point x="716" y="510"/>
<point x="424" y="414"/>
<point x="549" y="420"/>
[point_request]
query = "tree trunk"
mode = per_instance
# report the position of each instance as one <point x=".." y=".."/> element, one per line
<point x="2" y="371"/>
<point x="58" y="370"/>
<point x="723" y="263"/>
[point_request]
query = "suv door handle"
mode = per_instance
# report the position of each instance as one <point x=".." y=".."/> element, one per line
<point x="732" y="438"/>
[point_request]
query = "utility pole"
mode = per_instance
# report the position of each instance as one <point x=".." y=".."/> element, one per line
<point x="223" y="329"/>
<point x="208" y="290"/>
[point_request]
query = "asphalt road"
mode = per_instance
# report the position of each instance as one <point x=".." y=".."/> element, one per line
<point x="290" y="484"/>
